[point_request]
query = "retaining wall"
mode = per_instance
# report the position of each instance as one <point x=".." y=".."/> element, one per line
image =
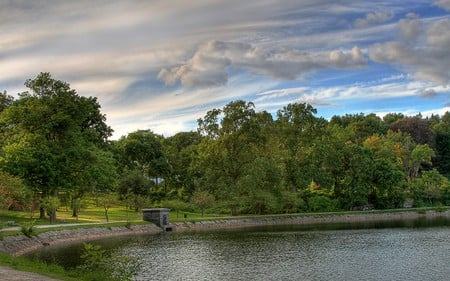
<point x="21" y="244"/>
<point x="308" y="220"/>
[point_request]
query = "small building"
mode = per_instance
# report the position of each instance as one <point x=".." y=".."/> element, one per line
<point x="158" y="216"/>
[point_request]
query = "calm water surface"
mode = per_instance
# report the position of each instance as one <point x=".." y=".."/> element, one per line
<point x="289" y="253"/>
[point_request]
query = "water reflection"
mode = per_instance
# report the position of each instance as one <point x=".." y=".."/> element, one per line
<point x="293" y="253"/>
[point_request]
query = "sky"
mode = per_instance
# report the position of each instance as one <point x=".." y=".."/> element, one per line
<point x="162" y="64"/>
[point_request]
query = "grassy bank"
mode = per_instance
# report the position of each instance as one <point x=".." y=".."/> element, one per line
<point x="50" y="270"/>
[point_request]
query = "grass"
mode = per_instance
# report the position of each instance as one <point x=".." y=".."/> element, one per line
<point x="50" y="270"/>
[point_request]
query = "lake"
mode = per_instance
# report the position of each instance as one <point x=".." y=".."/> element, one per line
<point x="412" y="251"/>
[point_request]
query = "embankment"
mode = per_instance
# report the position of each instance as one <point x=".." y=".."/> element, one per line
<point x="310" y="219"/>
<point x="20" y="244"/>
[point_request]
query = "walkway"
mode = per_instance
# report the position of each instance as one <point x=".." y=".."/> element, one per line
<point x="9" y="274"/>
<point x="17" y="228"/>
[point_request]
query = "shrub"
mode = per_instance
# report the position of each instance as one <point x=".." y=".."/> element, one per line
<point x="110" y="266"/>
<point x="321" y="204"/>
<point x="28" y="229"/>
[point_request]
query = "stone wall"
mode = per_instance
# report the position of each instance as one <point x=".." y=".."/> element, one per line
<point x="21" y="244"/>
<point x="307" y="220"/>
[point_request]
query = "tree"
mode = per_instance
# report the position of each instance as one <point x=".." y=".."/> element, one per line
<point x="94" y="172"/>
<point x="202" y="199"/>
<point x="354" y="186"/>
<point x="419" y="129"/>
<point x="297" y="128"/>
<point x="13" y="194"/>
<point x="431" y="186"/>
<point x="442" y="130"/>
<point x="220" y="161"/>
<point x="133" y="187"/>
<point x="142" y="150"/>
<point x="181" y="149"/>
<point x="5" y="100"/>
<point x="389" y="179"/>
<point x="421" y="155"/>
<point x="46" y="133"/>
<point x="107" y="200"/>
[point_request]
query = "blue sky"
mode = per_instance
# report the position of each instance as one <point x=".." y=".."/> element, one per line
<point x="161" y="65"/>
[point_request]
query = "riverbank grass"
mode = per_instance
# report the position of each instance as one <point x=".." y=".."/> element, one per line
<point x="50" y="270"/>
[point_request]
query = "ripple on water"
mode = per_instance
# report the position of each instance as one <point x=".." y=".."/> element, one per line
<point x="375" y="254"/>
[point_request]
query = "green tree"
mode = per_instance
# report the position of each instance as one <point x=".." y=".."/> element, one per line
<point x="13" y="193"/>
<point x="389" y="179"/>
<point x="143" y="150"/>
<point x="421" y="155"/>
<point x="94" y="170"/>
<point x="133" y="187"/>
<point x="181" y="149"/>
<point x="220" y="161"/>
<point x="45" y="130"/>
<point x="430" y="187"/>
<point x="5" y="100"/>
<point x="202" y="199"/>
<point x="297" y="128"/>
<point x="442" y="131"/>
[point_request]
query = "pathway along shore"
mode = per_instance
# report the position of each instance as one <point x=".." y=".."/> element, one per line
<point x="21" y="244"/>
<point x="9" y="274"/>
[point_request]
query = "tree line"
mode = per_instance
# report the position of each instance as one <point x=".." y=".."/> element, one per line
<point x="55" y="146"/>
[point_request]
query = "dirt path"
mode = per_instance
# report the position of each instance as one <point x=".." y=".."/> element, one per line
<point x="9" y="274"/>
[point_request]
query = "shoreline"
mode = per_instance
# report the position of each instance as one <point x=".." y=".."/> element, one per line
<point x="20" y="244"/>
<point x="309" y="219"/>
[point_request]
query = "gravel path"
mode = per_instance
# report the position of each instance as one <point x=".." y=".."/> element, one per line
<point x="9" y="274"/>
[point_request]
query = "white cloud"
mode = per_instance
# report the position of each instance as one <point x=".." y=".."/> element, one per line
<point x="427" y="60"/>
<point x="445" y="4"/>
<point x="374" y="18"/>
<point x="354" y="58"/>
<point x="427" y="93"/>
<point x="209" y="65"/>
<point x="411" y="27"/>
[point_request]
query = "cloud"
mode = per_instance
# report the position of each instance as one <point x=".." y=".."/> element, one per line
<point x="411" y="27"/>
<point x="445" y="4"/>
<point x="427" y="93"/>
<point x="210" y="64"/>
<point x="352" y="59"/>
<point x="427" y="59"/>
<point x="373" y="18"/>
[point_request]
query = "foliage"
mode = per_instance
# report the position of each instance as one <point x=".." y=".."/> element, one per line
<point x="134" y="188"/>
<point x="13" y="194"/>
<point x="202" y="199"/>
<point x="114" y="266"/>
<point x="239" y="160"/>
<point x="143" y="151"/>
<point x="28" y="229"/>
<point x="320" y="203"/>
<point x="50" y="136"/>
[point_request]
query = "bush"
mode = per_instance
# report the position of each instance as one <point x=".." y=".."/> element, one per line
<point x="28" y="230"/>
<point x="260" y="203"/>
<point x="322" y="204"/>
<point x="291" y="202"/>
<point x="110" y="266"/>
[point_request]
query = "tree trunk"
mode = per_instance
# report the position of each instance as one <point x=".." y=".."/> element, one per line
<point x="42" y="214"/>
<point x="74" y="208"/>
<point x="106" y="214"/>
<point x="53" y="216"/>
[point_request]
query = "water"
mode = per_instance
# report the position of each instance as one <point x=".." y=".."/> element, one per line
<point x="290" y="253"/>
